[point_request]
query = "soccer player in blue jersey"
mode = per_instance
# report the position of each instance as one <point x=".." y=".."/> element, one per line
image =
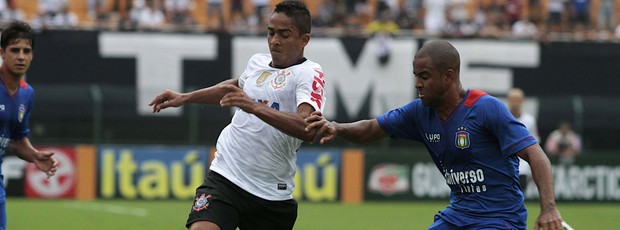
<point x="16" y="99"/>
<point x="473" y="140"/>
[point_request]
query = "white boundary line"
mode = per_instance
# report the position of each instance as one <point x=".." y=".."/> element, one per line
<point x="109" y="208"/>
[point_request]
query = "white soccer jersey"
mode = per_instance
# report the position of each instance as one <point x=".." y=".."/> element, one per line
<point x="254" y="155"/>
<point x="530" y="123"/>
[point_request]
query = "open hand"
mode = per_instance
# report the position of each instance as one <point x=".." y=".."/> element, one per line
<point x="166" y="99"/>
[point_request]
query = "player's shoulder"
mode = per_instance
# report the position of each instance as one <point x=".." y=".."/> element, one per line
<point x="307" y="69"/>
<point x="480" y="98"/>
<point x="25" y="86"/>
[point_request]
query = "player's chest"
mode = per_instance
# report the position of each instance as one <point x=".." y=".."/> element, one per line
<point x="12" y="110"/>
<point x="270" y="83"/>
<point x="453" y="138"/>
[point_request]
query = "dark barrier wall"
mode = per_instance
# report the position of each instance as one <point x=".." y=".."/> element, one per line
<point x="92" y="87"/>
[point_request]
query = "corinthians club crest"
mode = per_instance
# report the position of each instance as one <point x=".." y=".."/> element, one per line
<point x="201" y="202"/>
<point x="462" y="138"/>
<point x="280" y="80"/>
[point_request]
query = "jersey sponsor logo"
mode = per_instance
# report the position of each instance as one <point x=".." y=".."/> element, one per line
<point x="280" y="80"/>
<point x="470" y="181"/>
<point x="462" y="138"/>
<point x="263" y="76"/>
<point x="22" y="111"/>
<point x="433" y="137"/>
<point x="273" y="105"/>
<point x="201" y="203"/>
<point x="317" y="88"/>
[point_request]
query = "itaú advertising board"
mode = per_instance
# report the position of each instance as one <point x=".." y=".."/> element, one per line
<point x="150" y="172"/>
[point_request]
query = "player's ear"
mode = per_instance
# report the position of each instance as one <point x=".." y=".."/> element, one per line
<point x="449" y="75"/>
<point x="305" y="39"/>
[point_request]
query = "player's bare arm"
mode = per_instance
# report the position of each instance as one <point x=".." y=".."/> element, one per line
<point x="293" y="124"/>
<point x="42" y="159"/>
<point x="363" y="131"/>
<point x="209" y="95"/>
<point x="549" y="217"/>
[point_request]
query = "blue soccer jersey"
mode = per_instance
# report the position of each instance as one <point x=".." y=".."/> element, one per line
<point x="14" y="115"/>
<point x="475" y="150"/>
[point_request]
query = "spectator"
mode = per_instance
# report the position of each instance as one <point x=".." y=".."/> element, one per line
<point x="458" y="23"/>
<point x="178" y="14"/>
<point x="580" y="16"/>
<point x="48" y="9"/>
<point x="524" y="28"/>
<point x="261" y="12"/>
<point x="606" y="15"/>
<point x="148" y="15"/>
<point x="556" y="14"/>
<point x="382" y="29"/>
<point x="535" y="11"/>
<point x="434" y="15"/>
<point x="512" y="11"/>
<point x="64" y="19"/>
<point x="11" y="12"/>
<point x="215" y="16"/>
<point x="97" y="12"/>
<point x="564" y="143"/>
<point x="515" y="98"/>
<point x="409" y="14"/>
<point x="238" y="19"/>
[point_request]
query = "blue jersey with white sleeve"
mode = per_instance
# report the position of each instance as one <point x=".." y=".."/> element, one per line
<point x="475" y="150"/>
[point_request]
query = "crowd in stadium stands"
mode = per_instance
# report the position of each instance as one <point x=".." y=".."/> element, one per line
<point x="522" y="19"/>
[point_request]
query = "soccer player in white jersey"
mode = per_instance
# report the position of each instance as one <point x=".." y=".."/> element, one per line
<point x="250" y="183"/>
<point x="515" y="98"/>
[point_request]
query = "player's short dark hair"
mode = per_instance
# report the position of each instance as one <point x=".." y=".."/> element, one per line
<point x="14" y="31"/>
<point x="298" y="12"/>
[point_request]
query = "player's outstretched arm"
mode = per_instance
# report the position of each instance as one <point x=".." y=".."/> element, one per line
<point x="549" y="217"/>
<point x="291" y="123"/>
<point x="209" y="95"/>
<point x="363" y="131"/>
<point x="42" y="159"/>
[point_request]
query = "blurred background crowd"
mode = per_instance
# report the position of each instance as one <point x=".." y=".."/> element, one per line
<point x="520" y="19"/>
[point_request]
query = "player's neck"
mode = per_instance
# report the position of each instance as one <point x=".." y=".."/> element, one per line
<point x="10" y="81"/>
<point x="452" y="101"/>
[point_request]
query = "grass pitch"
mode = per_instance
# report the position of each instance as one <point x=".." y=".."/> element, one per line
<point x="26" y="214"/>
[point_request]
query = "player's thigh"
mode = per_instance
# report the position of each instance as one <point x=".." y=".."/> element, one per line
<point x="204" y="225"/>
<point x="272" y="215"/>
<point x="212" y="205"/>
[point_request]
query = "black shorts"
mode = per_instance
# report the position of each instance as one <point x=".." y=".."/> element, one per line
<point x="220" y="201"/>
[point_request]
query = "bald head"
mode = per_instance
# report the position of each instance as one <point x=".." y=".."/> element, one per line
<point x="443" y="55"/>
<point x="515" y="93"/>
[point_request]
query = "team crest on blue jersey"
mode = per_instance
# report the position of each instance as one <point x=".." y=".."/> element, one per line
<point x="263" y="76"/>
<point x="462" y="138"/>
<point x="280" y="80"/>
<point x="201" y="203"/>
<point x="22" y="111"/>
